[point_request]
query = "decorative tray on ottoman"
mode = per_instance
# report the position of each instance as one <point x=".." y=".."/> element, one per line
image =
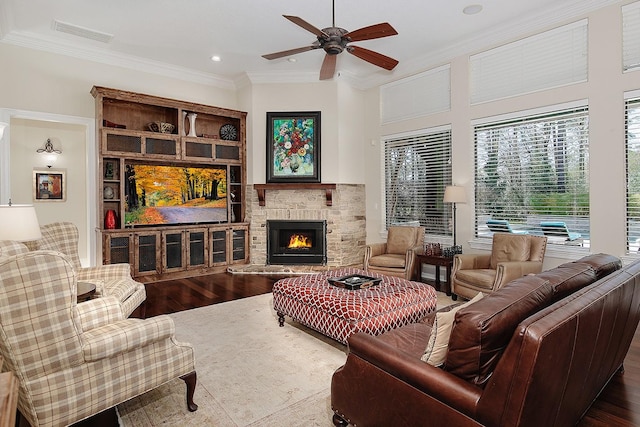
<point x="354" y="281"/>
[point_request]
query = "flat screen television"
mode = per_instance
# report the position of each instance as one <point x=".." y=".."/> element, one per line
<point x="170" y="195"/>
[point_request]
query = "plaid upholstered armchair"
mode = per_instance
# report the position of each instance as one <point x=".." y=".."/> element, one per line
<point x="112" y="279"/>
<point x="74" y="360"/>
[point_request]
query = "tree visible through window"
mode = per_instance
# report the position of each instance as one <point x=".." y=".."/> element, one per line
<point x="633" y="173"/>
<point x="417" y="170"/>
<point x="534" y="169"/>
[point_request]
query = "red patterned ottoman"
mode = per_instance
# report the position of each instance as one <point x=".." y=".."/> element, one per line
<point x="338" y="313"/>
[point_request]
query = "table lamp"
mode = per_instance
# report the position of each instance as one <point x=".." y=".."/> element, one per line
<point x="454" y="194"/>
<point x="19" y="223"/>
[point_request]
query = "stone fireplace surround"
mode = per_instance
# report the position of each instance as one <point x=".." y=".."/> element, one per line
<point x="346" y="221"/>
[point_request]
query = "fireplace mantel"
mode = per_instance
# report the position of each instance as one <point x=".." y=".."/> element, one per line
<point x="262" y="188"/>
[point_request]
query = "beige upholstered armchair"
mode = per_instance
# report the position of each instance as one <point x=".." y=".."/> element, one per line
<point x="111" y="279"/>
<point x="512" y="256"/>
<point x="74" y="360"/>
<point x="396" y="257"/>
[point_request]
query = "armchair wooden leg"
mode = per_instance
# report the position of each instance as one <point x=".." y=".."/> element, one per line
<point x="190" y="381"/>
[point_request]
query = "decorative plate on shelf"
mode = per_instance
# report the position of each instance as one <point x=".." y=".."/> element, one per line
<point x="229" y="132"/>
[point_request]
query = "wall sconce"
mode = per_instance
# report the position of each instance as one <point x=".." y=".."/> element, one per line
<point x="50" y="152"/>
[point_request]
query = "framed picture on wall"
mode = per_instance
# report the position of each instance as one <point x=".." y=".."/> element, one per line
<point x="49" y="185"/>
<point x="293" y="147"/>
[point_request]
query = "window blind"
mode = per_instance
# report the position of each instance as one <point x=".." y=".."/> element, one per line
<point x="417" y="170"/>
<point x="631" y="36"/>
<point x="632" y="137"/>
<point x="551" y="59"/>
<point x="533" y="169"/>
<point x="420" y="95"/>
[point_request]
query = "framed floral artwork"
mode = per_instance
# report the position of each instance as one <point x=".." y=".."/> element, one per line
<point x="293" y="147"/>
<point x="49" y="185"/>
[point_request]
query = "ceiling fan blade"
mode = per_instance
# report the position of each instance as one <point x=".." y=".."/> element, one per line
<point x="328" y="68"/>
<point x="372" y="32"/>
<point x="289" y="52"/>
<point x="304" y="24"/>
<point x="373" y="57"/>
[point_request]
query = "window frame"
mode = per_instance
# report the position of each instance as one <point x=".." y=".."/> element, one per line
<point x="436" y="134"/>
<point x="482" y="240"/>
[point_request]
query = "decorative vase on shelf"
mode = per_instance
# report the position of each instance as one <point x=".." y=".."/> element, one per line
<point x="184" y="123"/>
<point x="110" y="220"/>
<point x="192" y="123"/>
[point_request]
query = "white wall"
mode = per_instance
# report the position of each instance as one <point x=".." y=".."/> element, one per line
<point x="342" y="122"/>
<point x="604" y="92"/>
<point x="29" y="135"/>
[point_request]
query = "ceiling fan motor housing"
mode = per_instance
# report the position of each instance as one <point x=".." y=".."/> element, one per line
<point x="335" y="43"/>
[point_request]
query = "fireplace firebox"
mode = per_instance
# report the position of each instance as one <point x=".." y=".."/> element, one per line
<point x="296" y="242"/>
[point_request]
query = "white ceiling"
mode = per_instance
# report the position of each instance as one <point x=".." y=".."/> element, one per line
<point x="179" y="37"/>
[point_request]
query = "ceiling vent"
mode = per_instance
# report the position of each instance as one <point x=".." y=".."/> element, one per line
<point x="87" y="33"/>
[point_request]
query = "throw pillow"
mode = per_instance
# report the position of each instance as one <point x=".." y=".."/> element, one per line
<point x="436" y="350"/>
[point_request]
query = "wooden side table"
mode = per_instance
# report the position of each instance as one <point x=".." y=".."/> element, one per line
<point x="438" y="261"/>
<point x="8" y="398"/>
<point x="85" y="291"/>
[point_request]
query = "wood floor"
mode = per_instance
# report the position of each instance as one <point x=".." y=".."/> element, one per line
<point x="618" y="405"/>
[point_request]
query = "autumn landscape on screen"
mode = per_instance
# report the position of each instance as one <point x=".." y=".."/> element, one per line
<point x="174" y="195"/>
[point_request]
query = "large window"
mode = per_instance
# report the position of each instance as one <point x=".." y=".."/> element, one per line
<point x="417" y="170"/>
<point x="532" y="170"/>
<point x="632" y="110"/>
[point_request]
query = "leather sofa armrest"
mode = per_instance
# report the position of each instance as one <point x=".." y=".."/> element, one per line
<point x="411" y="267"/>
<point x="471" y="261"/>
<point x="511" y="270"/>
<point x="441" y="385"/>
<point x="375" y="249"/>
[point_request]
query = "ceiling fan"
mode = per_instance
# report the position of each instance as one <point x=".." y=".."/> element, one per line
<point x="335" y="40"/>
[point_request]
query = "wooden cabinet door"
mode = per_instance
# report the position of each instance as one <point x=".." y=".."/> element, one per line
<point x="147" y="249"/>
<point x="197" y="241"/>
<point x="173" y="251"/>
<point x="239" y="236"/>
<point x="118" y="248"/>
<point x="218" y="245"/>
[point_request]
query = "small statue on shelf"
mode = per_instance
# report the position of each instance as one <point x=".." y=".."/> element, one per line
<point x="108" y="170"/>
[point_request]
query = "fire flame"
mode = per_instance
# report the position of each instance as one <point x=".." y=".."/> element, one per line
<point x="299" y="241"/>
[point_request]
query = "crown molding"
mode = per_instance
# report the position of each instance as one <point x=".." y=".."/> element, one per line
<point x="507" y="32"/>
<point x="98" y="54"/>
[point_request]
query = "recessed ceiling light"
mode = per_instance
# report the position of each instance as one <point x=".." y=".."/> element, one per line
<point x="472" y="9"/>
<point x="216" y="58"/>
<point x="292" y="60"/>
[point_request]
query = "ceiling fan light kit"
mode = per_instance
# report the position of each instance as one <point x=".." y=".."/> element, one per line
<point x="334" y="40"/>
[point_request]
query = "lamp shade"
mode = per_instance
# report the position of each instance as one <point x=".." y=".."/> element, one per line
<point x="455" y="194"/>
<point x="19" y="222"/>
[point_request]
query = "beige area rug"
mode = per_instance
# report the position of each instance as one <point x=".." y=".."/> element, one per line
<point x="251" y="372"/>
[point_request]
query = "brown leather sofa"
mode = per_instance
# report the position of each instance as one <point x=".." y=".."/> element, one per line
<point x="537" y="352"/>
